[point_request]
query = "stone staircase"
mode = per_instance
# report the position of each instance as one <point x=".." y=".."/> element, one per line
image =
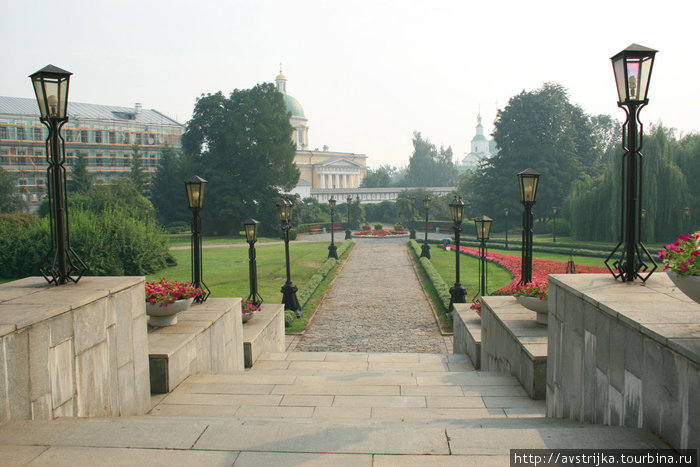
<point x="318" y="408"/>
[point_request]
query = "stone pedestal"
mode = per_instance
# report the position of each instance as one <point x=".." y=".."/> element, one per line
<point x="513" y="342"/>
<point x="467" y="333"/>
<point x="74" y="350"/>
<point x="625" y="354"/>
<point x="207" y="338"/>
<point x="263" y="333"/>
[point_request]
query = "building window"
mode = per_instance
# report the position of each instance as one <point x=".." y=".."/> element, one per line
<point x="138" y="139"/>
<point x="127" y="138"/>
<point x="112" y="137"/>
<point x="68" y="135"/>
<point x="21" y="133"/>
<point x="4" y="133"/>
<point x="83" y="136"/>
<point x="98" y="136"/>
<point x="38" y="134"/>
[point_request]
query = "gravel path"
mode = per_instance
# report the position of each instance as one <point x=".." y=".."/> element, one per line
<point x="376" y="304"/>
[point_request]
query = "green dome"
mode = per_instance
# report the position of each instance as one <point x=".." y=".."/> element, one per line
<point x="293" y="106"/>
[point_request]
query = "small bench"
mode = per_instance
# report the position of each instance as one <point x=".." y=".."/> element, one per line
<point x="336" y="227"/>
<point x="446" y="228"/>
<point x="315" y="229"/>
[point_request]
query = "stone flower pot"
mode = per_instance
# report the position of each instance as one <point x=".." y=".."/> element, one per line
<point x="247" y="316"/>
<point x="161" y="315"/>
<point x="536" y="305"/>
<point x="689" y="285"/>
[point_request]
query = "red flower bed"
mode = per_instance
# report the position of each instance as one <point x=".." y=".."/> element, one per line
<point x="380" y="233"/>
<point x="541" y="268"/>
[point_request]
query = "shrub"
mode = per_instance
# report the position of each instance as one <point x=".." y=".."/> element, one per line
<point x="398" y="226"/>
<point x="292" y="234"/>
<point x="24" y="242"/>
<point x="289" y="317"/>
<point x="378" y="226"/>
<point x="438" y="282"/>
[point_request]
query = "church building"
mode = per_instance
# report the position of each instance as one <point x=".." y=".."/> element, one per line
<point x="481" y="148"/>
<point x="322" y="172"/>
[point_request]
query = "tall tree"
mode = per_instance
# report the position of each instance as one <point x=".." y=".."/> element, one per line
<point x="10" y="199"/>
<point x="428" y="166"/>
<point x="80" y="178"/>
<point x="242" y="145"/>
<point x="542" y="130"/>
<point x="137" y="175"/>
<point x="380" y="178"/>
<point x="167" y="189"/>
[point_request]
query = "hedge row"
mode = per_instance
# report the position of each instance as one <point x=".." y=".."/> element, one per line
<point x="305" y="293"/>
<point x="438" y="282"/>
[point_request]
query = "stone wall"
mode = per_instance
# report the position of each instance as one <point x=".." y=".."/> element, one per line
<point x="467" y="333"/>
<point x="625" y="354"/>
<point x="73" y="350"/>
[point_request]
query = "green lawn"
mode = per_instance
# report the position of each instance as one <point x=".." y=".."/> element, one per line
<point x="226" y="269"/>
<point x="185" y="239"/>
<point x="444" y="263"/>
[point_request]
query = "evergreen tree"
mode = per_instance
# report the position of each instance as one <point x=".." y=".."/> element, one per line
<point x="80" y="178"/>
<point x="10" y="199"/>
<point x="137" y="174"/>
<point x="428" y="166"/>
<point x="167" y="189"/>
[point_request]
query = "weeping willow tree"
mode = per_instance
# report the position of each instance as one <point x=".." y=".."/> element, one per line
<point x="594" y="203"/>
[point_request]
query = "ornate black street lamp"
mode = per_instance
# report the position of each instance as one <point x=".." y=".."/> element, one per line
<point x="458" y="294"/>
<point x="289" y="290"/>
<point x="507" y="211"/>
<point x="483" y="230"/>
<point x="251" y="236"/>
<point x="527" y="180"/>
<point x="348" y="233"/>
<point x="686" y="211"/>
<point x="195" y="198"/>
<point x="632" y="69"/>
<point x="332" y="249"/>
<point x="554" y="210"/>
<point x="425" y="251"/>
<point x="412" y="226"/>
<point x="51" y="89"/>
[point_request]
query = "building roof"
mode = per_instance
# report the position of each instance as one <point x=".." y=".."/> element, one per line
<point x="293" y="106"/>
<point x="76" y="110"/>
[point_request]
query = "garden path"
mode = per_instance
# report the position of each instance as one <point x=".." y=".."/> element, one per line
<point x="375" y="304"/>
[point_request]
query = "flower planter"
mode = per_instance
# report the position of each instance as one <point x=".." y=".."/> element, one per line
<point x="161" y="315"/>
<point x="689" y="285"/>
<point x="536" y="305"/>
<point x="246" y="316"/>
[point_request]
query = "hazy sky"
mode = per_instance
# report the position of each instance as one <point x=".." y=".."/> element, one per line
<point x="367" y="73"/>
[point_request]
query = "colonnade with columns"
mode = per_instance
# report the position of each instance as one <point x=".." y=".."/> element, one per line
<point x="339" y="180"/>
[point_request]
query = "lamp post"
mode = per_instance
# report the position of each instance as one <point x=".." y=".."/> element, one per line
<point x="554" y="210"/>
<point x="332" y="249"/>
<point x="289" y="290"/>
<point x="458" y="293"/>
<point x="686" y="210"/>
<point x="251" y="236"/>
<point x="51" y="89"/>
<point x="412" y="233"/>
<point x="425" y="251"/>
<point x="528" y="180"/>
<point x="632" y="69"/>
<point x="195" y="198"/>
<point x="348" y="233"/>
<point x="483" y="229"/>
<point x="507" y="211"/>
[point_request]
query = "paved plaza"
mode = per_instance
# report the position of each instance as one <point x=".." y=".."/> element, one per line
<point x="375" y="304"/>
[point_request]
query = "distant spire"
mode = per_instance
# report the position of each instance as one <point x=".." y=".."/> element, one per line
<point x="281" y="81"/>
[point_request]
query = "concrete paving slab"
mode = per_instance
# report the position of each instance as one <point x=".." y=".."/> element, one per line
<point x="417" y="366"/>
<point x="323" y="365"/>
<point x="275" y="412"/>
<point x="124" y="432"/>
<point x="223" y="388"/>
<point x="440" y="461"/>
<point x="525" y="412"/>
<point x="431" y="391"/>
<point x="493" y="391"/>
<point x="307" y="356"/>
<point x="256" y="459"/>
<point x="222" y="399"/>
<point x="242" y="378"/>
<point x="377" y="379"/>
<point x="273" y="356"/>
<point x="433" y="414"/>
<point x="307" y="401"/>
<point x="19" y="455"/>
<point x="339" y="389"/>
<point x="379" y="401"/>
<point x="272" y="364"/>
<point x="343" y="412"/>
<point x="195" y="410"/>
<point x="394" y="357"/>
<point x="319" y="437"/>
<point x="77" y="456"/>
<point x="346" y="357"/>
<point x="455" y="402"/>
<point x="509" y="401"/>
<point x="474" y="378"/>
<point x="461" y="366"/>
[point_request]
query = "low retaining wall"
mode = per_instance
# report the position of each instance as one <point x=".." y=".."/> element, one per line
<point x="264" y="332"/>
<point x="467" y="333"/>
<point x="207" y="338"/>
<point x="513" y="342"/>
<point x="625" y="354"/>
<point x="74" y="350"/>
